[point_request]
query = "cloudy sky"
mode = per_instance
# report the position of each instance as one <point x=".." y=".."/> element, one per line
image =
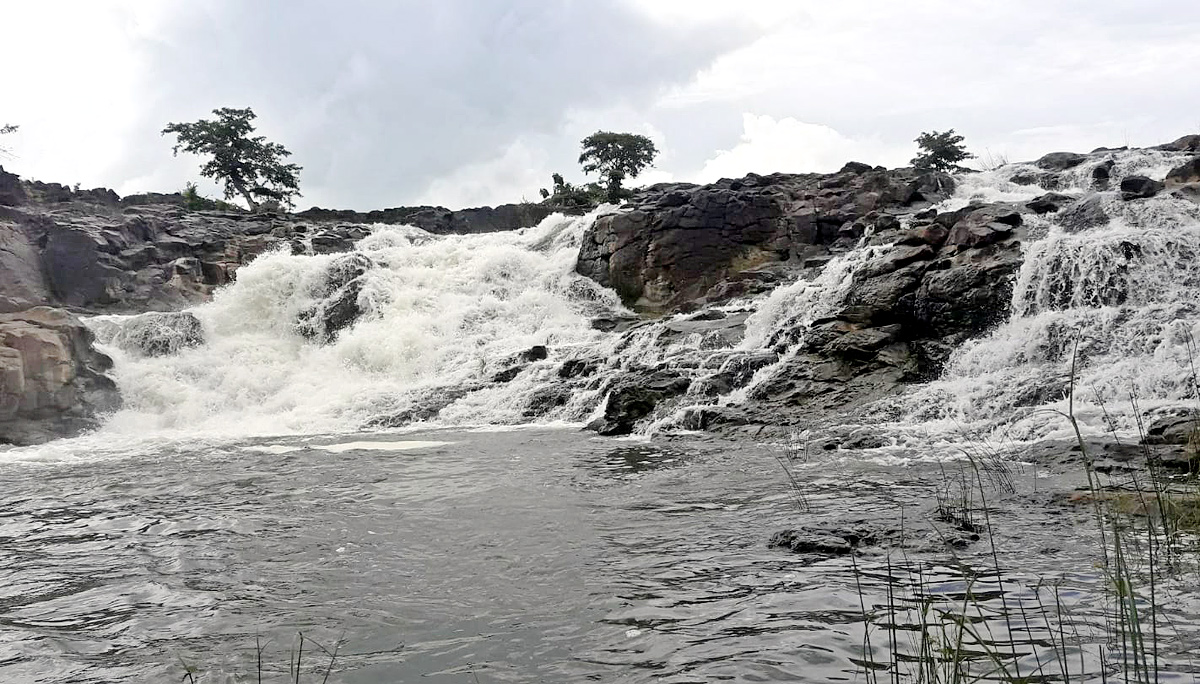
<point x="468" y="102"/>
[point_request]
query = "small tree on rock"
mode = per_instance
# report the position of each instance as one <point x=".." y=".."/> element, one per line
<point x="616" y="156"/>
<point x="940" y="152"/>
<point x="248" y="166"/>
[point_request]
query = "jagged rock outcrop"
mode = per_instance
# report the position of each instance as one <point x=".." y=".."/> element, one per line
<point x="337" y="305"/>
<point x="52" y="381"/>
<point x="634" y="397"/>
<point x="687" y="245"/>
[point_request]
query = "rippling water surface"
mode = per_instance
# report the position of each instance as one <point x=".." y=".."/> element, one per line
<point x="522" y="556"/>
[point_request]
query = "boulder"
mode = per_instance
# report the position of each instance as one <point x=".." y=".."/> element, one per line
<point x="1084" y="213"/>
<point x="1102" y="173"/>
<point x="53" y="382"/>
<point x="984" y="226"/>
<point x="337" y="306"/>
<point x="635" y="396"/>
<point x="1060" y="161"/>
<point x="1139" y="187"/>
<point x="1049" y="202"/>
<point x="1185" y="173"/>
<point x="1173" y="428"/>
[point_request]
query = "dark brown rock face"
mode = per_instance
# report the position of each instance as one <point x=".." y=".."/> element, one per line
<point x="680" y="241"/>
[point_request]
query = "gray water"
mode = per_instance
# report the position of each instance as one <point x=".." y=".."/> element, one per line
<point x="514" y="556"/>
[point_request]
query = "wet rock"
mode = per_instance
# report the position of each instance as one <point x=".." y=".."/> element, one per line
<point x="984" y="226"/>
<point x="1084" y="213"/>
<point x="1060" y="161"/>
<point x="614" y="323"/>
<point x="508" y="374"/>
<point x="52" y="381"/>
<point x="1139" y="187"/>
<point x="1184" y="173"/>
<point x="722" y="242"/>
<point x="1051" y="201"/>
<point x="338" y="305"/>
<point x="1102" y="173"/>
<point x="823" y="540"/>
<point x="545" y="400"/>
<point x="158" y="334"/>
<point x="576" y="368"/>
<point x="634" y="397"/>
<point x="535" y="353"/>
<point x="1177" y="427"/>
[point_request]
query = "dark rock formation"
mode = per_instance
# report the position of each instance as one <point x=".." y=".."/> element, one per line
<point x="1060" y="161"/>
<point x="1051" y="201"/>
<point x="635" y="396"/>
<point x="1084" y="213"/>
<point x="12" y="192"/>
<point x="52" y="381"/>
<point x="337" y="306"/>
<point x="679" y="242"/>
<point x="1183" y="174"/>
<point x="1139" y="187"/>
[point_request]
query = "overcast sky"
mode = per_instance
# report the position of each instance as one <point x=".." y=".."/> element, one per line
<point x="469" y="102"/>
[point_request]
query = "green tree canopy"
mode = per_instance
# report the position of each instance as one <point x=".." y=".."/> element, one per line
<point x="248" y="166"/>
<point x="940" y="152"/>
<point x="616" y="156"/>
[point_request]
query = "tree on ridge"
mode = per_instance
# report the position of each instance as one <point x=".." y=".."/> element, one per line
<point x="250" y="167"/>
<point x="616" y="156"/>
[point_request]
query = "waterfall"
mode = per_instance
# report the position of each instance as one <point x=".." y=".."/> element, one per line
<point x="448" y="330"/>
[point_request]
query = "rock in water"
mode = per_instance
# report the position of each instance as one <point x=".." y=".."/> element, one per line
<point x="1060" y="161"/>
<point x="1139" y="187"/>
<point x="634" y="397"/>
<point x="1184" y="173"/>
<point x="338" y="307"/>
<point x="52" y="381"/>
<point x="155" y="333"/>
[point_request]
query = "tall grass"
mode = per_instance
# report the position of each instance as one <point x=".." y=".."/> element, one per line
<point x="1146" y="522"/>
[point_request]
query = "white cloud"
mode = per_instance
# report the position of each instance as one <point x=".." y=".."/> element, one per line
<point x="792" y="146"/>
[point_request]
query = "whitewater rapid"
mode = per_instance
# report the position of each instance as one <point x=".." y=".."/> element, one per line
<point x="443" y="315"/>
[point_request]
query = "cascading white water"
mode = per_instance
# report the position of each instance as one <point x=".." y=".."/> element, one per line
<point x="1120" y="299"/>
<point x="439" y="312"/>
<point x="444" y="314"/>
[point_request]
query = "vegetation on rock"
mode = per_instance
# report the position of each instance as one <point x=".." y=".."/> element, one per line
<point x="940" y="152"/>
<point x="250" y="167"/>
<point x="616" y="156"/>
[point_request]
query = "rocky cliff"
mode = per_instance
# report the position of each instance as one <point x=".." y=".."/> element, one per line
<point x="936" y="279"/>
